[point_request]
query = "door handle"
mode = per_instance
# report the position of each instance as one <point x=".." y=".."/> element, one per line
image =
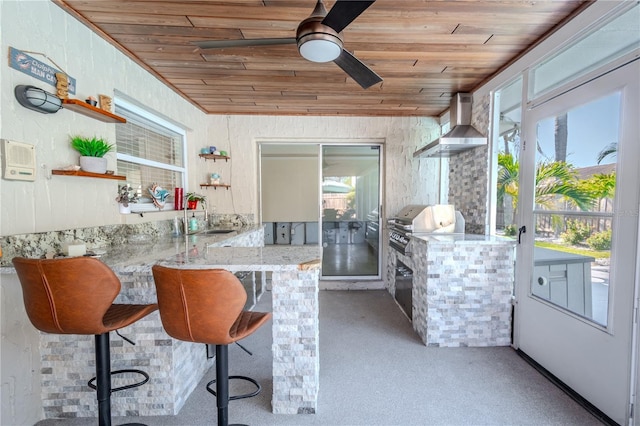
<point x="521" y="230"/>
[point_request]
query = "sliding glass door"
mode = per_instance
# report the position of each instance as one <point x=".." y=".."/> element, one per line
<point x="327" y="194"/>
<point x="350" y="201"/>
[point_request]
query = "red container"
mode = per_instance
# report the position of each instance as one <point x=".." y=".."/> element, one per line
<point x="192" y="205"/>
<point x="178" y="199"/>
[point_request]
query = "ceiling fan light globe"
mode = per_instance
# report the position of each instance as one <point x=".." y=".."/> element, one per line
<point x="320" y="50"/>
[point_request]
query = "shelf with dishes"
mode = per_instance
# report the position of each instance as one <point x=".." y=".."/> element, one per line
<point x="215" y="157"/>
<point x="215" y="185"/>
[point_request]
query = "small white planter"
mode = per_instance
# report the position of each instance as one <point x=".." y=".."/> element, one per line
<point x="93" y="164"/>
<point x="125" y="209"/>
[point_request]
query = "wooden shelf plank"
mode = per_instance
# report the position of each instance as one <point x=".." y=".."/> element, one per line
<point x="81" y="107"/>
<point x="214" y="157"/>
<point x="87" y="174"/>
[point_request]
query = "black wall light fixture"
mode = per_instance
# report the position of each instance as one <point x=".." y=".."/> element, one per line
<point x="37" y="99"/>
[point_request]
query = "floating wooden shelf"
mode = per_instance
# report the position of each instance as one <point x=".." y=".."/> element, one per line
<point x="214" y="157"/>
<point x="76" y="105"/>
<point x="87" y="174"/>
<point x="215" y="186"/>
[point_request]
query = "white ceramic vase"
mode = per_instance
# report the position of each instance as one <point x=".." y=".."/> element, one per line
<point x="93" y="164"/>
<point x="125" y="209"/>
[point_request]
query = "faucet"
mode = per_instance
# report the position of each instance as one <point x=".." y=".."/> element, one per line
<point x="185" y="220"/>
<point x="206" y="212"/>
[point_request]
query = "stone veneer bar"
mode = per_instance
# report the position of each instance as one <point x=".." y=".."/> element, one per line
<point x="176" y="367"/>
<point x="294" y="281"/>
<point x="462" y="288"/>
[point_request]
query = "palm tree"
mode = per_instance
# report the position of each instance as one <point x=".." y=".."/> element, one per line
<point x="561" y="133"/>
<point x="554" y="180"/>
<point x="559" y="179"/>
<point x="608" y="150"/>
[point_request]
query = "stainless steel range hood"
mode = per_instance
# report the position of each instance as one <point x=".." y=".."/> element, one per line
<point x="461" y="137"/>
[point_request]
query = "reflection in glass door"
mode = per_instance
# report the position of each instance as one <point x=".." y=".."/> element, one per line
<point x="350" y="202"/>
<point x="574" y="200"/>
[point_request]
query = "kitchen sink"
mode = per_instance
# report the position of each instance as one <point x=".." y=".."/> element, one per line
<point x="216" y="231"/>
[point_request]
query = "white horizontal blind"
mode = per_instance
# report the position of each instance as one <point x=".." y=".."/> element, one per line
<point x="149" y="150"/>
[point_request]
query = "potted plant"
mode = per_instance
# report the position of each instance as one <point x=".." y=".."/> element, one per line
<point x="126" y="195"/>
<point x="192" y="200"/>
<point x="92" y="151"/>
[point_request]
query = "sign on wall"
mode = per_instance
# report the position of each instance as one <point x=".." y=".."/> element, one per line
<point x="29" y="65"/>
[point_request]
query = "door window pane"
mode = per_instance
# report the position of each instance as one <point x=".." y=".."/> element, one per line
<point x="574" y="206"/>
<point x="508" y="103"/>
<point x="350" y="220"/>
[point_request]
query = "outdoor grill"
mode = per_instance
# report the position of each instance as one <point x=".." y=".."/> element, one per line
<point x="415" y="219"/>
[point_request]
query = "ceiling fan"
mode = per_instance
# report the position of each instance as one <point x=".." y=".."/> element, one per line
<point x="319" y="39"/>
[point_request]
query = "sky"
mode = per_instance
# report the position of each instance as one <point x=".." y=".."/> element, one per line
<point x="591" y="127"/>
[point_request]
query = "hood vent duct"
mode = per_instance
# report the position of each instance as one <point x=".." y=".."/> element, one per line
<point x="461" y="137"/>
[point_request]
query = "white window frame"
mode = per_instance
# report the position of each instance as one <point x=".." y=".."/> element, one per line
<point x="148" y="115"/>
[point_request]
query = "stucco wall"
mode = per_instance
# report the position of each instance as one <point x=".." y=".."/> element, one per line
<point x="20" y="359"/>
<point x="406" y="180"/>
<point x="64" y="202"/>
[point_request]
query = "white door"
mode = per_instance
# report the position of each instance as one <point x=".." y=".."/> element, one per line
<point x="574" y="308"/>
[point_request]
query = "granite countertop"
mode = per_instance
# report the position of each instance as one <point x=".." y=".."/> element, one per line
<point x="460" y="238"/>
<point x="146" y="252"/>
<point x="201" y="250"/>
<point x="271" y="258"/>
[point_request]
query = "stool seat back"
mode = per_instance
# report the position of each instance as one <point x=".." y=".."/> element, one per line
<point x="203" y="305"/>
<point x="67" y="296"/>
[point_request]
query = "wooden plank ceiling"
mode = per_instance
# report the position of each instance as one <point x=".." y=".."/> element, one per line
<point x="425" y="50"/>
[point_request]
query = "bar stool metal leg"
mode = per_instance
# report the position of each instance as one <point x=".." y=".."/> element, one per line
<point x="222" y="384"/>
<point x="103" y="379"/>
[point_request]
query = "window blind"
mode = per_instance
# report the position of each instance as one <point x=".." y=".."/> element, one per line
<point x="149" y="152"/>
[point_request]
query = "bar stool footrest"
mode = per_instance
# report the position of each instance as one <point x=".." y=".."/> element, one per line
<point x="133" y="385"/>
<point x="233" y="398"/>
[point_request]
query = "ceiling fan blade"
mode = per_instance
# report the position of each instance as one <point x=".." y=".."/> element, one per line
<point x="344" y="12"/>
<point x="362" y="74"/>
<point x="220" y="44"/>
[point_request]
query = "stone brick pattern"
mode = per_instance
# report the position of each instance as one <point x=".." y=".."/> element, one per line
<point x="68" y="362"/>
<point x="296" y="362"/>
<point x="469" y="175"/>
<point x="174" y="367"/>
<point x="462" y="291"/>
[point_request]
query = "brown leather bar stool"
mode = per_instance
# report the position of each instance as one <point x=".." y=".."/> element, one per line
<point x="205" y="306"/>
<point x="75" y="296"/>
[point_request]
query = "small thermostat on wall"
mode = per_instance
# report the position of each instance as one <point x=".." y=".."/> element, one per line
<point x="18" y="161"/>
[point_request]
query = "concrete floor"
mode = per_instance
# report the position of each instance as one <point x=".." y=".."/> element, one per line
<point x="375" y="371"/>
<point x="349" y="260"/>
